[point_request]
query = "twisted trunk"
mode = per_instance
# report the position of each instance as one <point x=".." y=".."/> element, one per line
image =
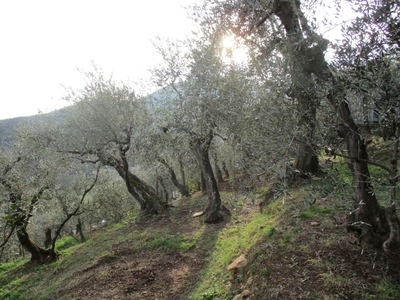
<point x="148" y="200"/>
<point x="181" y="187"/>
<point x="213" y="208"/>
<point x="369" y="218"/>
<point x="20" y="221"/>
<point x="218" y="169"/>
<point x="164" y="191"/>
<point x="375" y="225"/>
<point x="38" y="254"/>
<point x="303" y="61"/>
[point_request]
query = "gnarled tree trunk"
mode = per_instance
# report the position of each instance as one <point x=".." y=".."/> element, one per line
<point x="218" y="169"/>
<point x="80" y="231"/>
<point x="374" y="224"/>
<point x="369" y="218"/>
<point x="181" y="187"/>
<point x="38" y="254"/>
<point x="164" y="192"/>
<point x="148" y="200"/>
<point x="213" y="208"/>
<point x="303" y="85"/>
<point x="20" y="221"/>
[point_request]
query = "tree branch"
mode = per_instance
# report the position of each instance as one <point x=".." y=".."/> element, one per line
<point x="8" y="237"/>
<point x="34" y="200"/>
<point x="367" y="161"/>
<point x="9" y="167"/>
<point x="75" y="212"/>
<point x="261" y="21"/>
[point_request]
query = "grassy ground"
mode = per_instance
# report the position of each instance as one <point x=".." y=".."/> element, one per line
<point x="298" y="248"/>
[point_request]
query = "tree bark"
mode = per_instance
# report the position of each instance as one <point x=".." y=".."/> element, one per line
<point x="225" y="169"/>
<point x="369" y="218"/>
<point x="374" y="224"/>
<point x="164" y="189"/>
<point x="218" y="169"/>
<point x="21" y="221"/>
<point x="181" y="187"/>
<point x="47" y="241"/>
<point x="79" y="230"/>
<point x="202" y="186"/>
<point x="213" y="209"/>
<point x="392" y="245"/>
<point x="307" y="160"/>
<point x="148" y="200"/>
<point x="38" y="254"/>
<point x="183" y="176"/>
<point x="303" y="89"/>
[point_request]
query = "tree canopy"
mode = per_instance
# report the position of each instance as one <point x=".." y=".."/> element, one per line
<point x="269" y="117"/>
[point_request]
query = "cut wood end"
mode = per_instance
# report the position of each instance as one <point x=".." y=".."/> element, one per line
<point x="198" y="214"/>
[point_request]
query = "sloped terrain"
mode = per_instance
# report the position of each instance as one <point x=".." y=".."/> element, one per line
<point x="161" y="262"/>
<point x="295" y="249"/>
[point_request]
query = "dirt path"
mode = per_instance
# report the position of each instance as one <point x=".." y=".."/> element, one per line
<point x="145" y="274"/>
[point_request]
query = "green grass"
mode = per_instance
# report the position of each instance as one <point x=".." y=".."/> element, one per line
<point x="12" y="265"/>
<point x="266" y="273"/>
<point x="11" y="285"/>
<point x="315" y="211"/>
<point x="386" y="290"/>
<point x="306" y="215"/>
<point x="65" y="243"/>
<point x="229" y="244"/>
<point x="272" y="231"/>
<point x="10" y="282"/>
<point x="13" y="290"/>
<point x="321" y="210"/>
<point x="276" y="234"/>
<point x="169" y="242"/>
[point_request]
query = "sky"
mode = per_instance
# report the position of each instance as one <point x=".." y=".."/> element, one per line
<point x="44" y="42"/>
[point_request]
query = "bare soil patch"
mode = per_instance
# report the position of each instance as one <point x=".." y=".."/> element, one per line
<point x="145" y="274"/>
<point x="304" y="258"/>
<point x="314" y="259"/>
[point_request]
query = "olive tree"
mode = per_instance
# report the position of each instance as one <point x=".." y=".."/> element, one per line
<point x="106" y="126"/>
<point x="310" y="72"/>
<point x="198" y="109"/>
<point x="270" y="34"/>
<point x="165" y="154"/>
<point x="24" y="180"/>
<point x="32" y="175"/>
<point x="367" y="68"/>
<point x="109" y="200"/>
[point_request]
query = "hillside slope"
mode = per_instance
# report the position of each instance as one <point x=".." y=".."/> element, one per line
<point x="295" y="249"/>
<point x="9" y="126"/>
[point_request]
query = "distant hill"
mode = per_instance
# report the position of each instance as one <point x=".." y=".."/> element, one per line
<point x="9" y="126"/>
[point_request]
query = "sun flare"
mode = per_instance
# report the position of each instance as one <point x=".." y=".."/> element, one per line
<point x="228" y="41"/>
<point x="233" y="51"/>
